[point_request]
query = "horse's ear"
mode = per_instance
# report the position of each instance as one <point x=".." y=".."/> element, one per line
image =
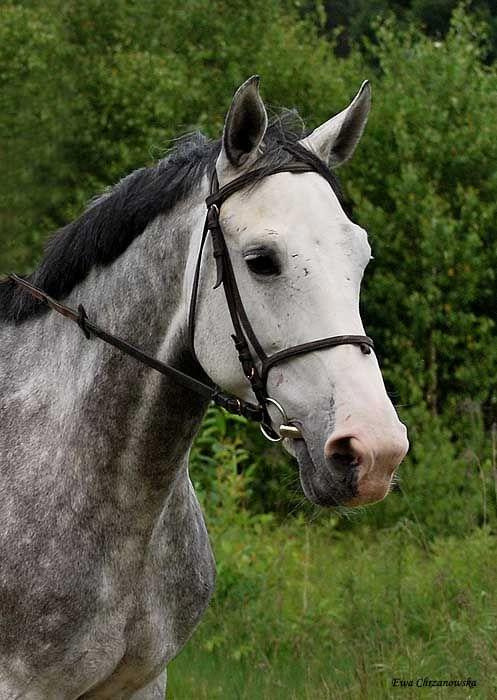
<point x="335" y="140"/>
<point x="245" y="124"/>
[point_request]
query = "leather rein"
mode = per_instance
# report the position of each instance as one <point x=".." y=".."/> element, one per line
<point x="244" y="337"/>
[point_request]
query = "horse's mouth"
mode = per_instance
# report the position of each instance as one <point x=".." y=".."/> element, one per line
<point x="324" y="483"/>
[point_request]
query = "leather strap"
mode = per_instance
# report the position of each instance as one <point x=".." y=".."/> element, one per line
<point x="221" y="195"/>
<point x="244" y="336"/>
<point x="212" y="393"/>
<point x="365" y="343"/>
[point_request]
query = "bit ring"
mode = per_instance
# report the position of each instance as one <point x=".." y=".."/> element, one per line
<point x="283" y="425"/>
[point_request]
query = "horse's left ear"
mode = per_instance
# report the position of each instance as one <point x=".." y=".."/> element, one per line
<point x="245" y="124"/>
<point x="335" y="140"/>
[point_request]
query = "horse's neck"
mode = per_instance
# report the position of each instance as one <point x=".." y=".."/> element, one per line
<point x="98" y="416"/>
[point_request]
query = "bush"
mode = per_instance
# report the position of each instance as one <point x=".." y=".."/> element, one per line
<point x="340" y="616"/>
<point x="425" y="185"/>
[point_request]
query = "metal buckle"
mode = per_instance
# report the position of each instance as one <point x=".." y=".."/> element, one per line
<point x="285" y="430"/>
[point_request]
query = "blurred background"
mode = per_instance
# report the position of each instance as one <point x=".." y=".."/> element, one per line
<point x="309" y="603"/>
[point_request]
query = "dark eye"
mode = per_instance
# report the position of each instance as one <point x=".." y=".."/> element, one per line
<point x="262" y="263"/>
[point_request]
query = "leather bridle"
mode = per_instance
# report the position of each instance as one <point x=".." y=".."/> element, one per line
<point x="244" y="337"/>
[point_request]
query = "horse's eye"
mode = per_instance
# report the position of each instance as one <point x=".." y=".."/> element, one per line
<point x="262" y="263"/>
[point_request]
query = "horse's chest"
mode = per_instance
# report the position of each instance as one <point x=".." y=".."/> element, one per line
<point x="107" y="624"/>
<point x="170" y="598"/>
<point x="166" y="609"/>
<point x="164" y="599"/>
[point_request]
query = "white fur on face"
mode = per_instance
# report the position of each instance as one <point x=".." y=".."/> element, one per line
<point x="322" y="256"/>
<point x="321" y="253"/>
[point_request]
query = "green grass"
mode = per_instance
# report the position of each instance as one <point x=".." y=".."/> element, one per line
<point x="306" y="612"/>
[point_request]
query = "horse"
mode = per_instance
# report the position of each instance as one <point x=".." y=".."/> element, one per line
<point x="105" y="564"/>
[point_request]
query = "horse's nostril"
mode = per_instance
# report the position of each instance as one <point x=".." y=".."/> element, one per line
<point x="343" y="456"/>
<point x="342" y="446"/>
<point x="344" y="460"/>
<point x="344" y="453"/>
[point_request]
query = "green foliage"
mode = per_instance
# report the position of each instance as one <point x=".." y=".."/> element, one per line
<point x="91" y="90"/>
<point x="353" y="20"/>
<point x="425" y="185"/>
<point x="32" y="108"/>
<point x="339" y="616"/>
<point x="221" y="471"/>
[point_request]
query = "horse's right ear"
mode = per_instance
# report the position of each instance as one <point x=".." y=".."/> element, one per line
<point x="245" y="125"/>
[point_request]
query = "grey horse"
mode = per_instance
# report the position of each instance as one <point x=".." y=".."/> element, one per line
<point x="105" y="562"/>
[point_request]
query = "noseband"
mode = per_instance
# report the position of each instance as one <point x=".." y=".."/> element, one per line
<point x="244" y="337"/>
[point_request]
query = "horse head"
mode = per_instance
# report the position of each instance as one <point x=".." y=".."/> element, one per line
<point x="298" y="261"/>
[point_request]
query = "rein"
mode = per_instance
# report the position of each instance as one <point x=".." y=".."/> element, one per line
<point x="212" y="393"/>
<point x="244" y="337"/>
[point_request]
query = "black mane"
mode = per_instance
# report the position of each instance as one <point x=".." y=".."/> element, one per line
<point x="111" y="222"/>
